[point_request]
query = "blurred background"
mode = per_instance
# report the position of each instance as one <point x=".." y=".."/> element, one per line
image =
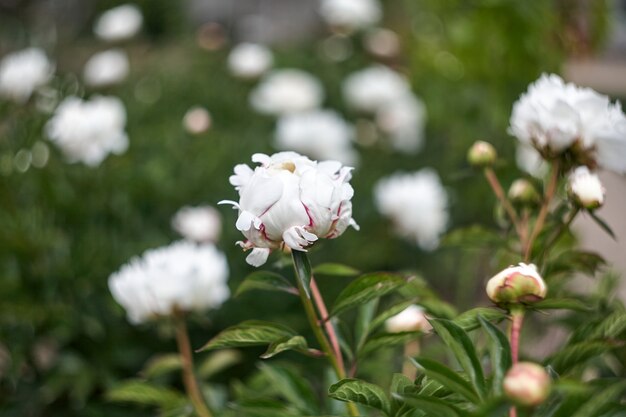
<point x="65" y="227"/>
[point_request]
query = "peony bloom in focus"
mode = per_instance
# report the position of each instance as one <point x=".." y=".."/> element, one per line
<point x="181" y="277"/>
<point x="321" y="134"/>
<point x="119" y="23"/>
<point x="290" y="200"/>
<point x="200" y="224"/>
<point x="403" y="122"/>
<point x="416" y="203"/>
<point x="555" y="117"/>
<point x="585" y="188"/>
<point x="249" y="60"/>
<point x="517" y="284"/>
<point x="371" y="89"/>
<point x="350" y="15"/>
<point x="411" y="319"/>
<point x="287" y="91"/>
<point x="87" y="131"/>
<point x="527" y="384"/>
<point x="106" y="68"/>
<point x="22" y="72"/>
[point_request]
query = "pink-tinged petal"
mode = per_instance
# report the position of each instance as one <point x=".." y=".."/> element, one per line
<point x="296" y="238"/>
<point x="258" y="256"/>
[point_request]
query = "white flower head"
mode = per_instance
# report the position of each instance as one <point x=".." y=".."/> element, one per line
<point x="287" y="91"/>
<point x="403" y="121"/>
<point x="106" y="68"/>
<point x="416" y="203"/>
<point x="411" y="319"/>
<point x="585" y="188"/>
<point x="88" y="130"/>
<point x="373" y="88"/>
<point x="181" y="277"/>
<point x="119" y="23"/>
<point x="200" y="224"/>
<point x="290" y="200"/>
<point x="250" y="60"/>
<point x="320" y="134"/>
<point x="351" y="14"/>
<point x="22" y="72"/>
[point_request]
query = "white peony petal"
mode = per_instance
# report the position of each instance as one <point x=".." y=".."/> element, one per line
<point x="258" y="256"/>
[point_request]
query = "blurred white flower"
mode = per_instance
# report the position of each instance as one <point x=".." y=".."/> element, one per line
<point x="197" y="120"/>
<point x="382" y="42"/>
<point x="290" y="200"/>
<point x="554" y="116"/>
<point x="119" y="23"/>
<point x="87" y="131"/>
<point x="350" y="14"/>
<point x="106" y="68"/>
<point x="180" y="277"/>
<point x="287" y="91"/>
<point x="411" y="319"/>
<point x="416" y="203"/>
<point x="403" y="121"/>
<point x="22" y="72"/>
<point x="200" y="224"/>
<point x="530" y="160"/>
<point x="373" y="88"/>
<point x="320" y="134"/>
<point x="585" y="188"/>
<point x="249" y="60"/>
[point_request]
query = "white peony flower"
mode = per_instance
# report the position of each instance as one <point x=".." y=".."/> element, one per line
<point x="180" y="277"/>
<point x="371" y="89"/>
<point x="290" y="200"/>
<point x="106" y="68"/>
<point x="411" y="319"/>
<point x="287" y="91"/>
<point x="351" y="14"/>
<point x="22" y="72"/>
<point x="416" y="203"/>
<point x="530" y="160"/>
<point x="119" y="23"/>
<point x="403" y="121"/>
<point x="321" y="134"/>
<point x="200" y="224"/>
<point x="249" y="60"/>
<point x="515" y="284"/>
<point x="585" y="188"/>
<point x="554" y="117"/>
<point x="87" y="131"/>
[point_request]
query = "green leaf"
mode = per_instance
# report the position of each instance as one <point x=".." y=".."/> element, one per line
<point x="355" y="390"/>
<point x="439" y="308"/>
<point x="401" y="384"/>
<point x="380" y="319"/>
<point x="446" y="377"/>
<point x="431" y="406"/>
<point x="363" y="327"/>
<point x="293" y="387"/>
<point x="611" y="327"/>
<point x="366" y="288"/>
<point x="140" y="392"/>
<point x="472" y="236"/>
<point x="267" y="281"/>
<point x="500" y="354"/>
<point x="218" y="361"/>
<point x="577" y="354"/>
<point x="603" y="225"/>
<point x="161" y="364"/>
<point x="561" y="304"/>
<point x="335" y="270"/>
<point x="469" y="320"/>
<point x="249" y="333"/>
<point x="463" y="349"/>
<point x="297" y="343"/>
<point x="303" y="270"/>
<point x="387" y="340"/>
<point x="599" y="402"/>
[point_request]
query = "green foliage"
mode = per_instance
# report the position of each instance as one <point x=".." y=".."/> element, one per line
<point x="366" y="288"/>
<point x="355" y="390"/>
<point x="268" y="281"/>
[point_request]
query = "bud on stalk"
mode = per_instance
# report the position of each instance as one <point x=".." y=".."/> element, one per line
<point x="517" y="284"/>
<point x="585" y="189"/>
<point x="482" y="154"/>
<point x="523" y="193"/>
<point x="527" y="384"/>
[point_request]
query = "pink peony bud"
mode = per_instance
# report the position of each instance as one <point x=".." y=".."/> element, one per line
<point x="517" y="284"/>
<point x="527" y="384"/>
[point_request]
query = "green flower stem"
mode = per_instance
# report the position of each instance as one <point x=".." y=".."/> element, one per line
<point x="189" y="379"/>
<point x="493" y="181"/>
<point x="302" y="266"/>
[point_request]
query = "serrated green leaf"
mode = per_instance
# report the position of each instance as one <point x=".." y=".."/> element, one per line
<point x="387" y="340"/>
<point x="446" y="377"/>
<point x="218" y="361"/>
<point x="380" y="319"/>
<point x="561" y="304"/>
<point x="335" y="269"/>
<point x="469" y="320"/>
<point x="366" y="288"/>
<point x="431" y="406"/>
<point x="297" y="343"/>
<point x="500" y="352"/>
<point x="267" y="281"/>
<point x="161" y="364"/>
<point x="355" y="390"/>
<point x="249" y="333"/>
<point x="140" y="392"/>
<point x="463" y="349"/>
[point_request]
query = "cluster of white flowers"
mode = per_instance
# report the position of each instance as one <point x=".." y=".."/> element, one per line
<point x="249" y="60"/>
<point x="87" y="131"/>
<point x="119" y="23"/>
<point x="200" y="224"/>
<point x="320" y="134"/>
<point x="411" y="319"/>
<point x="556" y="117"/>
<point x="416" y="203"/>
<point x="287" y="91"/>
<point x="106" y="68"/>
<point x="22" y="72"/>
<point x="290" y="200"/>
<point x="350" y="15"/>
<point x="180" y="277"/>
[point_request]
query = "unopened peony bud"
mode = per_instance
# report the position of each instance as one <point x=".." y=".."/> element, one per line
<point x="585" y="188"/>
<point x="527" y="384"/>
<point x="411" y="319"/>
<point x="517" y="284"/>
<point x="523" y="192"/>
<point x="482" y="154"/>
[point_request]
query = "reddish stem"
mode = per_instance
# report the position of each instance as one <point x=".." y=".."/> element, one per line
<point x="516" y="327"/>
<point x="324" y="317"/>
